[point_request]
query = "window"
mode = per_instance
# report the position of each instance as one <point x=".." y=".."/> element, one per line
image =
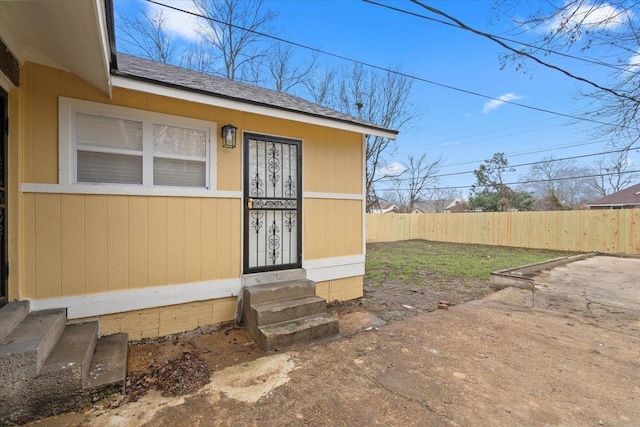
<point x="105" y="144"/>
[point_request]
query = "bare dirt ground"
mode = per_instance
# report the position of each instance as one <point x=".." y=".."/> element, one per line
<point x="566" y="354"/>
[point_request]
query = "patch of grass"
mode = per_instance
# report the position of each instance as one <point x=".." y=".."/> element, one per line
<point x="411" y="259"/>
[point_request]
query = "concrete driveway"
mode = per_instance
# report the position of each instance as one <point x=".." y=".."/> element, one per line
<point x="566" y="354"/>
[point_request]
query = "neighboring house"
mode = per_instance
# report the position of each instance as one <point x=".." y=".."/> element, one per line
<point x="383" y="208"/>
<point x="459" y="205"/>
<point x="623" y="199"/>
<point x="432" y="206"/>
<point x="122" y="202"/>
<point x="442" y="206"/>
<point x="428" y="207"/>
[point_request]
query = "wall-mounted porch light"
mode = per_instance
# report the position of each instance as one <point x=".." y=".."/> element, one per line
<point x="229" y="136"/>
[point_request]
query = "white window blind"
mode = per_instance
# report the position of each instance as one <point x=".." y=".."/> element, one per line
<point x="109" y="149"/>
<point x="117" y="145"/>
<point x="179" y="156"/>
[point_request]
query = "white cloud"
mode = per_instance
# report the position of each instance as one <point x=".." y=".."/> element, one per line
<point x="634" y="63"/>
<point x="179" y="23"/>
<point x="392" y="169"/>
<point x="495" y="103"/>
<point x="589" y="16"/>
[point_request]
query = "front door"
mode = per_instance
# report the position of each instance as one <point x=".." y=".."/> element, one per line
<point x="272" y="203"/>
<point x="4" y="131"/>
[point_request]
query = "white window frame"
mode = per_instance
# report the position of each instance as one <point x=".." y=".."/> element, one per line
<point x="68" y="108"/>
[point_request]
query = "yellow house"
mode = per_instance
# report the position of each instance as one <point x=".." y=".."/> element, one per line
<point x="123" y="202"/>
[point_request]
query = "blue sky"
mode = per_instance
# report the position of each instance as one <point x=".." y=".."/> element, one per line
<point x="461" y="128"/>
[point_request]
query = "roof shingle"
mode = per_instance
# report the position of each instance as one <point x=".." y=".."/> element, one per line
<point x="177" y="77"/>
<point x="628" y="196"/>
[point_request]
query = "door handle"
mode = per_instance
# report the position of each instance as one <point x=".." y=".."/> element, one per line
<point x="249" y="203"/>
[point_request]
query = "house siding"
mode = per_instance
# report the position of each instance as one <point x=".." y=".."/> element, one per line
<point x="80" y="244"/>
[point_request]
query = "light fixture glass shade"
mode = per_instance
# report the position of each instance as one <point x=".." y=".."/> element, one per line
<point x="229" y="136"/>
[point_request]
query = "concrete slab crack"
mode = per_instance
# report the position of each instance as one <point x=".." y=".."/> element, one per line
<point x="409" y="398"/>
<point x="589" y="302"/>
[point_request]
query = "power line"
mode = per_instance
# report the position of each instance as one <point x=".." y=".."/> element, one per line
<point x="388" y="70"/>
<point x="582" y="156"/>
<point x="495" y="137"/>
<point x="526" y="153"/>
<point x="491" y="37"/>
<point x="449" y="24"/>
<point x="461" y="187"/>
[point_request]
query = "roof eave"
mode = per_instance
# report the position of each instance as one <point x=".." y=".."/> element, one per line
<point x="131" y="82"/>
<point x="613" y="204"/>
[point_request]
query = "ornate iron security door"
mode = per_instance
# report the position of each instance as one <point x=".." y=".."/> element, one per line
<point x="272" y="200"/>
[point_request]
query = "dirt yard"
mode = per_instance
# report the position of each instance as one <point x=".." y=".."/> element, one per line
<point x="408" y="278"/>
<point x="512" y="357"/>
<point x="404" y="279"/>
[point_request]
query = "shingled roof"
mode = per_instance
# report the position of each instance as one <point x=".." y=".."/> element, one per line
<point x="181" y="78"/>
<point x="629" y="197"/>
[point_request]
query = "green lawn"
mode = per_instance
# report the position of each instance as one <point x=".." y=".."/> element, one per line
<point x="412" y="259"/>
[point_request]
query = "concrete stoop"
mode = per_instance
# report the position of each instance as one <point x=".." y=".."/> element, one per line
<point x="48" y="367"/>
<point x="287" y="312"/>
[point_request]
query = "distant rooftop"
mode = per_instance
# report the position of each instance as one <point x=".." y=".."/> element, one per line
<point x="627" y="197"/>
<point x="181" y="78"/>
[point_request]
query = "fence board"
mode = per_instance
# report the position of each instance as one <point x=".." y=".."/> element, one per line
<point x="607" y="231"/>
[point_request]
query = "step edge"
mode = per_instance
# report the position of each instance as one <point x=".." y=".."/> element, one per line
<point x="329" y="318"/>
<point x="44" y="345"/>
<point x="11" y="315"/>
<point x="85" y="362"/>
<point x="95" y="384"/>
<point x="309" y="299"/>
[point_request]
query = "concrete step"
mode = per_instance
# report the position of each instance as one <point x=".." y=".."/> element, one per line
<point x="70" y="359"/>
<point x="109" y="365"/>
<point x="24" y="350"/>
<point x="10" y="315"/>
<point x="281" y="311"/>
<point x="278" y="291"/>
<point x="304" y="329"/>
<point x="254" y="279"/>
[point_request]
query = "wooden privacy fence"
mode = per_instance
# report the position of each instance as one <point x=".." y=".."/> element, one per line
<point x="607" y="231"/>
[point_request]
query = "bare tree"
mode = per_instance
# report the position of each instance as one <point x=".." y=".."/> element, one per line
<point x="559" y="184"/>
<point x="442" y="197"/>
<point x="233" y="31"/>
<point x="383" y="99"/>
<point x="320" y="86"/>
<point x="605" y="34"/>
<point x="614" y="174"/>
<point x="198" y="57"/>
<point x="285" y="73"/>
<point x="415" y="183"/>
<point x="146" y="32"/>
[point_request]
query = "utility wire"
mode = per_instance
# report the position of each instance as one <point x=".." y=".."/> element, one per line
<point x="582" y="156"/>
<point x="388" y="70"/>
<point x="536" y="181"/>
<point x="491" y="37"/>
<point x="526" y="153"/>
<point x="449" y="24"/>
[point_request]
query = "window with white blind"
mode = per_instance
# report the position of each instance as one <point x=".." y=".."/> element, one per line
<point x="106" y="144"/>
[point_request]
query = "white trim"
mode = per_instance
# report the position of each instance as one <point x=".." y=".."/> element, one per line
<point x="321" y="270"/>
<point x="5" y="83"/>
<point x="125" y="190"/>
<point x="103" y="35"/>
<point x="99" y="304"/>
<point x="605" y="205"/>
<point x="127" y="83"/>
<point x="68" y="108"/>
<point x="335" y="196"/>
<point x="364" y="194"/>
